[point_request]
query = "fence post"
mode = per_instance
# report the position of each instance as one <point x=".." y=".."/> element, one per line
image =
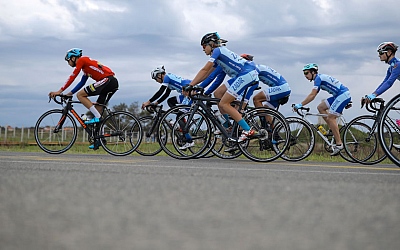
<point x="22" y="134"/>
<point x="5" y="133"/>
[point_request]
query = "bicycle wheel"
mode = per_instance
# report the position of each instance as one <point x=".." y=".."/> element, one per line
<point x="55" y="133"/>
<point x="268" y="143"/>
<point x="361" y="143"/>
<point x="199" y="131"/>
<point x="301" y="140"/>
<point x="224" y="148"/>
<point x="120" y="133"/>
<point x="390" y="121"/>
<point x="150" y="146"/>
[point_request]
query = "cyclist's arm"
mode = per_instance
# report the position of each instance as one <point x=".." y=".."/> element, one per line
<point x="72" y="77"/>
<point x="220" y="78"/>
<point x="388" y="81"/>
<point x="80" y="84"/>
<point x="166" y="94"/>
<point x="158" y="93"/>
<point x="211" y="77"/>
<point x="310" y="97"/>
<point x="203" y="73"/>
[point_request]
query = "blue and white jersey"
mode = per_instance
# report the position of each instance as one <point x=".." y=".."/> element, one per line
<point x="269" y="76"/>
<point x="175" y="82"/>
<point x="392" y="73"/>
<point x="231" y="63"/>
<point x="219" y="75"/>
<point x="329" y="84"/>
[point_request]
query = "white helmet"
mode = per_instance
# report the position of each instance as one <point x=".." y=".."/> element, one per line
<point x="159" y="70"/>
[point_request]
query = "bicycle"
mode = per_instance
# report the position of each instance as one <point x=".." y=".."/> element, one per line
<point x="360" y="136"/>
<point x="119" y="133"/>
<point x="302" y="138"/>
<point x="201" y="123"/>
<point x="390" y="122"/>
<point x="150" y="144"/>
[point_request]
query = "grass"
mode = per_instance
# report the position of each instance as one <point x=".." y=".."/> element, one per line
<point x="318" y="155"/>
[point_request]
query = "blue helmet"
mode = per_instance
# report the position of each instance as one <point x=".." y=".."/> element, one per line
<point x="311" y="66"/>
<point x="73" y="52"/>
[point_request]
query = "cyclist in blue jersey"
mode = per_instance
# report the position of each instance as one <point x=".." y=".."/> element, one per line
<point x="168" y="83"/>
<point x="335" y="104"/>
<point x="387" y="53"/>
<point x="242" y="73"/>
<point x="278" y="90"/>
<point x="276" y="94"/>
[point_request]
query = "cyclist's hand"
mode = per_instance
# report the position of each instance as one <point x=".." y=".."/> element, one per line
<point x="187" y="88"/>
<point x="145" y="104"/>
<point x="370" y="97"/>
<point x="297" y="106"/>
<point x="54" y="94"/>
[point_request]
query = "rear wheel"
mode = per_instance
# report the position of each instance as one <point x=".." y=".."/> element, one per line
<point x="120" y="133"/>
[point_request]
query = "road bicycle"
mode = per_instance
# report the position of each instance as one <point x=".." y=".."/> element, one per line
<point x="201" y="123"/>
<point x="360" y="136"/>
<point x="302" y="138"/>
<point x="118" y="132"/>
<point x="150" y="144"/>
<point x="390" y="121"/>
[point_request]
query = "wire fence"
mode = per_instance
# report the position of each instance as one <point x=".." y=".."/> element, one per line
<point x="19" y="135"/>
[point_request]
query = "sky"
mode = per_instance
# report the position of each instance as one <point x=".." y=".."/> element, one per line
<point x="134" y="37"/>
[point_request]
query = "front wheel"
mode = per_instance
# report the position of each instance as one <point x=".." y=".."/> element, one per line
<point x="271" y="138"/>
<point x="55" y="133"/>
<point x="120" y="133"/>
<point x="390" y="122"/>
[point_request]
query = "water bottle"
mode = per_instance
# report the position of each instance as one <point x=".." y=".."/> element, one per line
<point x="322" y="130"/>
<point x="220" y="117"/>
<point x="84" y="117"/>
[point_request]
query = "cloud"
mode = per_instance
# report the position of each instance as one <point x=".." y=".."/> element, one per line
<point x="133" y="37"/>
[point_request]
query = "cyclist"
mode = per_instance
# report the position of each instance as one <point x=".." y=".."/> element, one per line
<point x="335" y="104"/>
<point x="242" y="73"/>
<point x="105" y="82"/>
<point x="387" y="53"/>
<point x="278" y="90"/>
<point x="168" y="83"/>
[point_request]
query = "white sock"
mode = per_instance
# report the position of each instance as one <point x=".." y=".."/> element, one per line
<point x="94" y="111"/>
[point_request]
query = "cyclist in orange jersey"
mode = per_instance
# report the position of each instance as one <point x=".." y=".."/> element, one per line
<point x="103" y="75"/>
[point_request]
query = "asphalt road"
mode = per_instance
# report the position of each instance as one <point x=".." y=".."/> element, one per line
<point x="134" y="202"/>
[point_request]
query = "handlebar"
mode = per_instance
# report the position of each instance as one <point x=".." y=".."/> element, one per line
<point x="300" y="111"/>
<point x="151" y="108"/>
<point x="372" y="105"/>
<point x="63" y="99"/>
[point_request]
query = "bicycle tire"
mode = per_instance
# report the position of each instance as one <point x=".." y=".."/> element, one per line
<point x="150" y="144"/>
<point x="301" y="141"/>
<point x="360" y="144"/>
<point x="51" y="141"/>
<point x="121" y="133"/>
<point x="173" y="117"/>
<point x="390" y="117"/>
<point x="261" y="148"/>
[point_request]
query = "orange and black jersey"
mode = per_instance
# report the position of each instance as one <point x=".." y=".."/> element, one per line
<point x="90" y="68"/>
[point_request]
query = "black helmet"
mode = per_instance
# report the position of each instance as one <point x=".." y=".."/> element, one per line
<point x="214" y="37"/>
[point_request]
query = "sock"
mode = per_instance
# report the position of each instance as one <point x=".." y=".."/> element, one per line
<point x="226" y="124"/>
<point x="94" y="111"/>
<point x="188" y="138"/>
<point x="242" y="123"/>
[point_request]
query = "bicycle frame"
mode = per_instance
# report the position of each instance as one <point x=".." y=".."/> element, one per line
<point x="305" y="117"/>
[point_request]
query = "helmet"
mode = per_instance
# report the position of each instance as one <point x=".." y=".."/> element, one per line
<point x="248" y="57"/>
<point x="214" y="37"/>
<point x="73" y="52"/>
<point x="160" y="69"/>
<point x="385" y="46"/>
<point x="311" y="66"/>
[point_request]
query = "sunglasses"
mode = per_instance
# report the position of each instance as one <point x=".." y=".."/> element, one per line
<point x="306" y="72"/>
<point x="205" y="45"/>
<point x="381" y="52"/>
